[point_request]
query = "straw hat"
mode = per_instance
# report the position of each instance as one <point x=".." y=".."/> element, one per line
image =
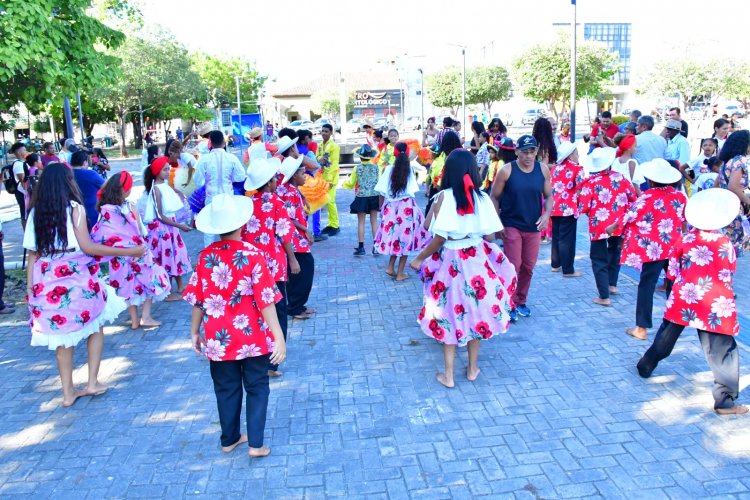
<point x="254" y="133"/>
<point x="205" y="129"/>
<point x="712" y="209"/>
<point x="262" y="171"/>
<point x="599" y="160"/>
<point x="224" y="214"/>
<point x="285" y="143"/>
<point x="289" y="167"/>
<point x="566" y="149"/>
<point x="659" y="170"/>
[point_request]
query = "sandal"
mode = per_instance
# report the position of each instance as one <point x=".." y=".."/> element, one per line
<point x="302" y="316"/>
<point x="734" y="410"/>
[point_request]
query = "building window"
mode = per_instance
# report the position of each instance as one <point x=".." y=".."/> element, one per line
<point x="617" y="38"/>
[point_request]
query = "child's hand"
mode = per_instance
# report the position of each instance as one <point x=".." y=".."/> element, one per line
<point x="137" y="251"/>
<point x="416" y="264"/>
<point x="279" y="352"/>
<point x="186" y="228"/>
<point x="310" y="237"/>
<point x="294" y="266"/>
<point x="197" y="342"/>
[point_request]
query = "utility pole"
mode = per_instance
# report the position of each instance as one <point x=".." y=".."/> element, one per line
<point x="80" y="116"/>
<point x="421" y="94"/>
<point x="463" y="89"/>
<point x="140" y="112"/>
<point x="68" y="118"/>
<point x="573" y="77"/>
<point x="342" y="108"/>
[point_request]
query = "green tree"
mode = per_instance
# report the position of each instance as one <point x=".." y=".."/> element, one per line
<point x="486" y="85"/>
<point x="736" y="81"/>
<point x="218" y="77"/>
<point x="326" y="103"/>
<point x="51" y="46"/>
<point x="685" y="78"/>
<point x="543" y="72"/>
<point x="444" y="89"/>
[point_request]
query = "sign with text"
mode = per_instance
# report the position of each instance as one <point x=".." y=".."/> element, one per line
<point x="377" y="99"/>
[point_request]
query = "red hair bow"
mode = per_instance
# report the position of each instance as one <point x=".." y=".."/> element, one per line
<point x="469" y="191"/>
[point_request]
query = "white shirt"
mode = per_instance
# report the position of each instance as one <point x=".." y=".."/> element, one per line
<point x="64" y="156"/>
<point x="217" y="171"/>
<point x="624" y="169"/>
<point x="383" y="186"/>
<point x="257" y="151"/>
<point x="450" y="225"/>
<point x="29" y="236"/>
<point x="186" y="160"/>
<point x="19" y="170"/>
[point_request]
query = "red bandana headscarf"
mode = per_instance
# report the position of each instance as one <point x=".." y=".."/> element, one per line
<point x="625" y="144"/>
<point x="469" y="191"/>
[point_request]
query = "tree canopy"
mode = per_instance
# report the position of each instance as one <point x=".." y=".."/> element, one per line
<point x="486" y="85"/>
<point x="444" y="89"/>
<point x="217" y="75"/>
<point x="543" y="72"/>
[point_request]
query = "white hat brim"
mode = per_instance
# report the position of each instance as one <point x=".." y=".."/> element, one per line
<point x="261" y="171"/>
<point x="232" y="215"/>
<point x="712" y="209"/>
<point x="659" y="171"/>
<point x="289" y="167"/>
<point x="286" y="145"/>
<point x="566" y="149"/>
<point x="599" y="160"/>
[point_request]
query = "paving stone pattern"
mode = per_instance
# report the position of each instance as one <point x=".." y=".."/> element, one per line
<point x="557" y="412"/>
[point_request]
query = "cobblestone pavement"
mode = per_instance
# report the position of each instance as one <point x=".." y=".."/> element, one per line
<point x="557" y="412"/>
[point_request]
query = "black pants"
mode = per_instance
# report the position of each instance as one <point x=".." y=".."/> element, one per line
<point x="281" y="313"/>
<point x="605" y="263"/>
<point x="564" y="243"/>
<point x="2" y="275"/>
<point x="299" y="285"/>
<point x="644" y="305"/>
<point x="721" y="354"/>
<point x="431" y="191"/>
<point x="21" y="200"/>
<point x="229" y="377"/>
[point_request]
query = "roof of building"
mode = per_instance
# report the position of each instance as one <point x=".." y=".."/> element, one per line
<point x="364" y="80"/>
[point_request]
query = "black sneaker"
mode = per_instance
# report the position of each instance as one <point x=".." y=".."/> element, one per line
<point x="326" y="230"/>
<point x="359" y="251"/>
<point x="320" y="237"/>
<point x="375" y="252"/>
<point x="333" y="231"/>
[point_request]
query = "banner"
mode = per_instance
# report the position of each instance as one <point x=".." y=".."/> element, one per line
<point x="241" y="127"/>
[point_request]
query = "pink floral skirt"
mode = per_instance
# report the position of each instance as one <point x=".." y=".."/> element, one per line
<point x="69" y="300"/>
<point x="467" y="293"/>
<point x="168" y="248"/>
<point x="401" y="229"/>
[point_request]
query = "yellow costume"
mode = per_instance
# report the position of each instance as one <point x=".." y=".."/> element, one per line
<point x="328" y="157"/>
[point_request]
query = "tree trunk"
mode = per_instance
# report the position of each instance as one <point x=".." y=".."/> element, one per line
<point x="137" y="132"/>
<point x="123" y="148"/>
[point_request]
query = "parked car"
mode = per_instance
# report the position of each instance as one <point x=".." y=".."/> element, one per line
<point x="301" y="124"/>
<point x="413" y="123"/>
<point x="318" y="124"/>
<point x="531" y="115"/>
<point x="381" y="122"/>
<point x="506" y="118"/>
<point x="733" y="109"/>
<point x="354" y="126"/>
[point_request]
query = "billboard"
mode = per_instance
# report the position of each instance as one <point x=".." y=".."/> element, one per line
<point x="243" y="126"/>
<point x="377" y="103"/>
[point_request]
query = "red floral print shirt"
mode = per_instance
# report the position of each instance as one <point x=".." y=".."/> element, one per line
<point x="702" y="265"/>
<point x="268" y="229"/>
<point x="652" y="225"/>
<point x="566" y="179"/>
<point x="295" y="207"/>
<point x="231" y="284"/>
<point x="605" y="196"/>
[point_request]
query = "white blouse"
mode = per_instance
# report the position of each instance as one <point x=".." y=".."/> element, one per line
<point x="29" y="236"/>
<point x="450" y="225"/>
<point x="624" y="169"/>
<point x="170" y="202"/>
<point x="186" y="160"/>
<point x="383" y="186"/>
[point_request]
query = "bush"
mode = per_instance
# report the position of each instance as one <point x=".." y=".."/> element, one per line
<point x="620" y="119"/>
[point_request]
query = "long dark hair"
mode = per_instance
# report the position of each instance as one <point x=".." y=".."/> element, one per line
<point x="32" y="159"/>
<point x="401" y="169"/>
<point x="478" y="127"/>
<point x="451" y="142"/>
<point x="508" y="155"/>
<point x="51" y="202"/>
<point x="542" y="132"/>
<point x="736" y="145"/>
<point x="148" y="178"/>
<point x="459" y="163"/>
<point x="497" y="121"/>
<point x="112" y="193"/>
<point x="153" y="152"/>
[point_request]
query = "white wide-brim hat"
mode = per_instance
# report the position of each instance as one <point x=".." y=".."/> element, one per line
<point x="712" y="209"/>
<point x="289" y="167"/>
<point x="566" y="149"/>
<point x="600" y="159"/>
<point x="225" y="214"/>
<point x="261" y="171"/>
<point x="659" y="170"/>
<point x="285" y="143"/>
<point x="204" y="129"/>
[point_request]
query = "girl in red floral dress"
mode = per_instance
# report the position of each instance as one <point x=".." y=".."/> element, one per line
<point x="566" y="177"/>
<point x="233" y="295"/>
<point x="651" y="227"/>
<point x="164" y="236"/>
<point x="138" y="281"/>
<point x="702" y="265"/>
<point x="468" y="281"/>
<point x="270" y="230"/>
<point x="68" y="300"/>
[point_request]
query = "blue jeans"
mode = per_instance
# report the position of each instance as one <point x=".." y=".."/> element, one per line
<point x="229" y="377"/>
<point x="316" y="223"/>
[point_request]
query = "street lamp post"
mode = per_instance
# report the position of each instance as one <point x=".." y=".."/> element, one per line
<point x="140" y="111"/>
<point x="463" y="88"/>
<point x="573" y="78"/>
<point x="421" y="94"/>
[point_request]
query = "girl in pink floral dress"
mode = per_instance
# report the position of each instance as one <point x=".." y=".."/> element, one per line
<point x="138" y="281"/>
<point x="468" y="281"/>
<point x="164" y="236"/>
<point x="401" y="229"/>
<point x="68" y="300"/>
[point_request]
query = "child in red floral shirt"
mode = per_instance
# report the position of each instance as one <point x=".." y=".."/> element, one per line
<point x="233" y="296"/>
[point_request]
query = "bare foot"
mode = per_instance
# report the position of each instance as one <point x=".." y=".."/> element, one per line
<point x="402" y="277"/>
<point x="443" y="379"/>
<point x="556" y="269"/>
<point x="310" y="311"/>
<point x="150" y="322"/>
<point x="613" y="290"/>
<point x="231" y="447"/>
<point x="68" y="402"/>
<point x="259" y="452"/>
<point x="302" y="316"/>
<point x="390" y="273"/>
<point x="134" y="325"/>
<point x="472" y="375"/>
<point x="637" y="332"/>
<point x="602" y="302"/>
<point x="576" y="274"/>
<point x="275" y="373"/>
<point x="95" y="390"/>
<point x="735" y="410"/>
<point x="173" y="297"/>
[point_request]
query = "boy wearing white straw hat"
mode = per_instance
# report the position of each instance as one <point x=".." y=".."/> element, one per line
<point x="566" y="178"/>
<point x="651" y="227"/>
<point x="233" y="296"/>
<point x="605" y="196"/>
<point x="702" y="265"/>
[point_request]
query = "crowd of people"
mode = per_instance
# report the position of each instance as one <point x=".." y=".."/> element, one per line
<point x="491" y="201"/>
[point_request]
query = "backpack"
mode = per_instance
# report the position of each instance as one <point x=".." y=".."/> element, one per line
<point x="9" y="180"/>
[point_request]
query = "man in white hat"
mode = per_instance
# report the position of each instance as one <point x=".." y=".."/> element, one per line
<point x="217" y="171"/>
<point x="257" y="149"/>
<point x="566" y="178"/>
<point x="677" y="146"/>
<point x="605" y="197"/>
<point x="233" y="296"/>
<point x="651" y="227"/>
<point x="702" y="265"/>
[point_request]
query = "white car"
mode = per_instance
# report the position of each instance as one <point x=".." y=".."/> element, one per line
<point x="413" y="123"/>
<point x="354" y="126"/>
<point x="301" y="124"/>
